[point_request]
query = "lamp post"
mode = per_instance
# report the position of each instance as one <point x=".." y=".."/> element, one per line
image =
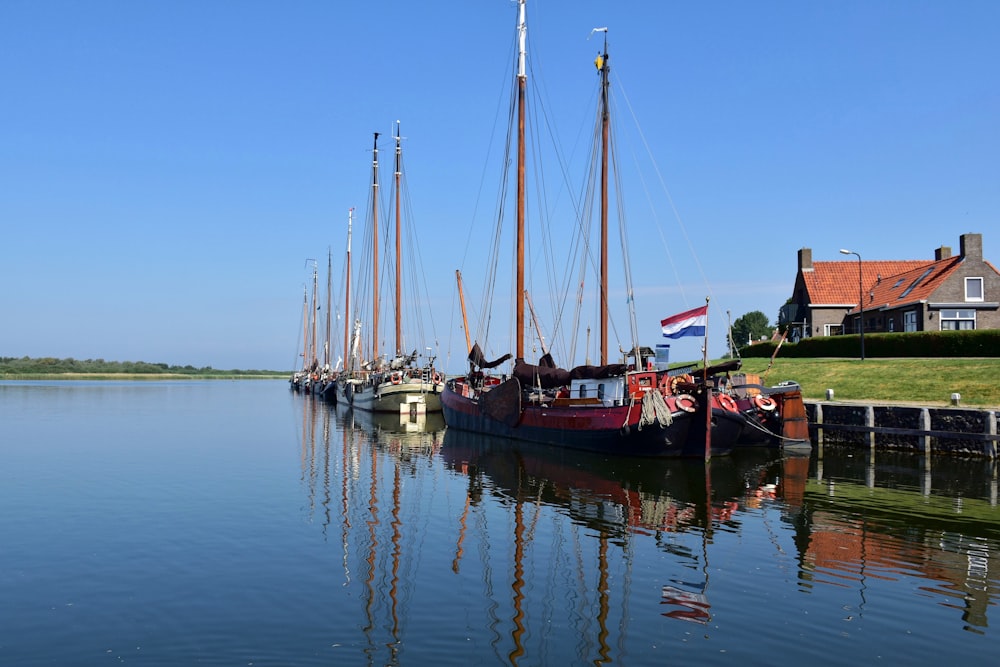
<point x="861" y="301"/>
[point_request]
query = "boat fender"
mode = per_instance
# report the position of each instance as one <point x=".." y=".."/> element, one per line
<point x="685" y="402"/>
<point x="765" y="403"/>
<point x="727" y="402"/>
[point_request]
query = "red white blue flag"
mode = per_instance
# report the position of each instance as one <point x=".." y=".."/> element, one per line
<point x="689" y="323"/>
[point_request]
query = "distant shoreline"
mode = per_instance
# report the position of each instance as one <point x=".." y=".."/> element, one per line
<point x="138" y="376"/>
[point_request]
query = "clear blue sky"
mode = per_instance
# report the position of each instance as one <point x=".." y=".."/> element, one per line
<point x="166" y="167"/>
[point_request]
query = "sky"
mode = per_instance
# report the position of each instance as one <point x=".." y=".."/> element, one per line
<point x="170" y="169"/>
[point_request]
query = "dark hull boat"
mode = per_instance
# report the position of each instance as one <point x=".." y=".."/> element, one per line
<point x="624" y="408"/>
<point x="633" y="415"/>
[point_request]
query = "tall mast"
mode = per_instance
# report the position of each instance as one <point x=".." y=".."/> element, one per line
<point x="312" y="347"/>
<point x="305" y="327"/>
<point x="399" y="249"/>
<point x="327" y="351"/>
<point x="347" y="298"/>
<point x="605" y="68"/>
<point x="522" y="85"/>
<point x="375" y="250"/>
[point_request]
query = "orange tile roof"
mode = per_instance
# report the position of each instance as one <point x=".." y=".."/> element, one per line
<point x="910" y="287"/>
<point x="831" y="283"/>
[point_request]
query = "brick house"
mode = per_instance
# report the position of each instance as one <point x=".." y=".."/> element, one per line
<point x="949" y="292"/>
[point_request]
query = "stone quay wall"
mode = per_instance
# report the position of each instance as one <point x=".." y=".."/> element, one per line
<point x="929" y="430"/>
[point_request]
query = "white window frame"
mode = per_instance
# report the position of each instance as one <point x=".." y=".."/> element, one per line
<point x="973" y="281"/>
<point x="957" y="316"/>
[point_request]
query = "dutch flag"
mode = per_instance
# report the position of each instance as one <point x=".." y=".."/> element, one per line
<point x="689" y="323"/>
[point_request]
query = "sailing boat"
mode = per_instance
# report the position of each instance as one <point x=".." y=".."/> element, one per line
<point x="378" y="384"/>
<point x="306" y="379"/>
<point x="621" y="408"/>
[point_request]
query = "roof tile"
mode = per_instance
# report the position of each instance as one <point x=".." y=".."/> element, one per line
<point x="836" y="283"/>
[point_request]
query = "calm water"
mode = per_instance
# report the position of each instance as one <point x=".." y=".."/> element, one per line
<point x="236" y="523"/>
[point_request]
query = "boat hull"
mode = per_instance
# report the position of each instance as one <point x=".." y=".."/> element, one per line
<point x="414" y="396"/>
<point x="596" y="428"/>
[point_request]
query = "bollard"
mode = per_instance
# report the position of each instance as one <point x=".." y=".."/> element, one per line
<point x="829" y="394"/>
<point x="956" y="398"/>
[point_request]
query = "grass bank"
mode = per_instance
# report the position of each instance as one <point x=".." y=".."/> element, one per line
<point x="924" y="381"/>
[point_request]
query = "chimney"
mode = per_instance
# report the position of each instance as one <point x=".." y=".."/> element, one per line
<point x="944" y="252"/>
<point x="806" y="259"/>
<point x="971" y="246"/>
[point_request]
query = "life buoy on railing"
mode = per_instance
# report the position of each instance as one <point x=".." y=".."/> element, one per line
<point x="437" y="378"/>
<point x="685" y="402"/>
<point x="396" y="378"/>
<point x="727" y="402"/>
<point x="765" y="403"/>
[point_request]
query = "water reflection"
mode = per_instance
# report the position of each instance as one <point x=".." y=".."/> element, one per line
<point x="618" y="499"/>
<point x="904" y="518"/>
<point x="534" y="547"/>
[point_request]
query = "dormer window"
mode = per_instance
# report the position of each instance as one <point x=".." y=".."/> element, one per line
<point x="973" y="289"/>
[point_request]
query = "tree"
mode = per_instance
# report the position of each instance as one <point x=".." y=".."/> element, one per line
<point x="750" y="327"/>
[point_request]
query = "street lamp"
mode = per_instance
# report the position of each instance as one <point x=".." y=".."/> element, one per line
<point x="861" y="301"/>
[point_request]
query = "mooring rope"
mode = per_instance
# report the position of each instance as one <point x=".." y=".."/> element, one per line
<point x="654" y="409"/>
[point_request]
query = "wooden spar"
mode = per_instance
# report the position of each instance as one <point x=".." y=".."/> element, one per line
<point x="522" y="85"/>
<point x="312" y="346"/>
<point x="771" y="363"/>
<point x="327" y="352"/>
<point x="305" y="327"/>
<point x="399" y="250"/>
<point x="465" y="320"/>
<point x="347" y="298"/>
<point x="534" y="320"/>
<point x="375" y="252"/>
<point x="605" y="67"/>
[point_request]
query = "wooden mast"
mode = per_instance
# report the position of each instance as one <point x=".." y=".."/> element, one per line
<point x="347" y="297"/>
<point x="399" y="248"/>
<point x="604" y="67"/>
<point x="327" y="346"/>
<point x="312" y="346"/>
<point x="522" y="85"/>
<point x="375" y="251"/>
<point x="305" y="327"/>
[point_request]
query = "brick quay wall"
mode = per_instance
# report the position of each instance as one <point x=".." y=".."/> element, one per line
<point x="949" y="431"/>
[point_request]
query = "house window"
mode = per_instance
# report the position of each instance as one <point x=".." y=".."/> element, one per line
<point x="910" y="320"/>
<point x="973" y="289"/>
<point x="891" y="325"/>
<point x="958" y="320"/>
<point x="833" y="329"/>
<point x="857" y="325"/>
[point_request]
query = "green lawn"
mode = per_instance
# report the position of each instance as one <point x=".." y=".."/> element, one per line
<point x="927" y="381"/>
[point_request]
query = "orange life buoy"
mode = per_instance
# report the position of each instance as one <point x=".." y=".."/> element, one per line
<point x="765" y="403"/>
<point x="396" y="378"/>
<point x="437" y="378"/>
<point x="727" y="402"/>
<point x="685" y="402"/>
